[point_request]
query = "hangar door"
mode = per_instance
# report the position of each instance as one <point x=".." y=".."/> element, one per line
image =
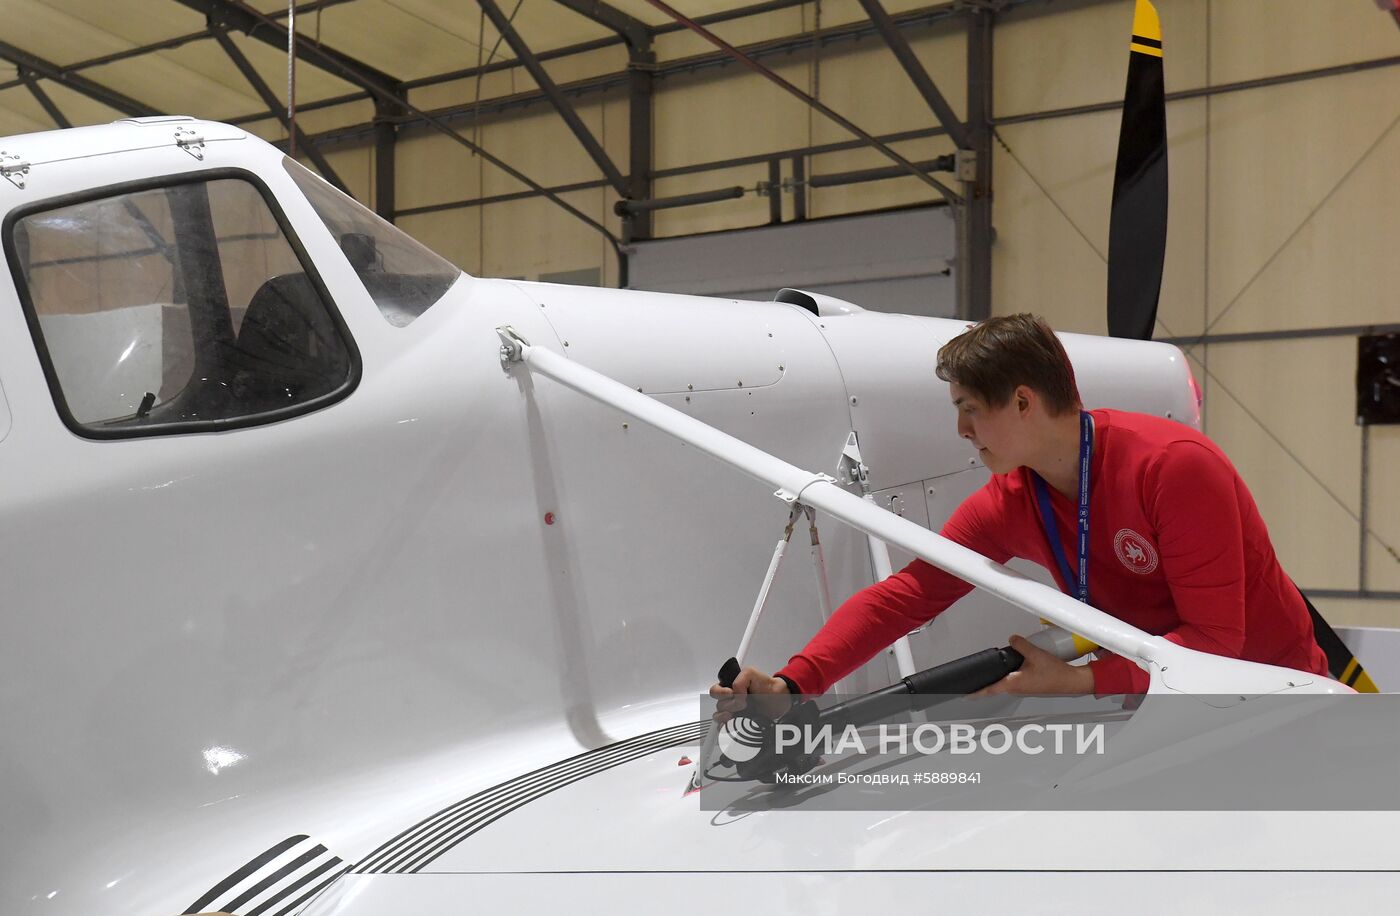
<point x="899" y="261"/>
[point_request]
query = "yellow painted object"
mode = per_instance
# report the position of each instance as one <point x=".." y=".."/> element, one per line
<point x="1355" y="677"/>
<point x="1082" y="646"/>
<point x="1147" y="30"/>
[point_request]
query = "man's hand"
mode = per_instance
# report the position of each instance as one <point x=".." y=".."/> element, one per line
<point x="1041" y="674"/>
<point x="770" y="695"/>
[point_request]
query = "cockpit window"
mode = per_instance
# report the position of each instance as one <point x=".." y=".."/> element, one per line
<point x="402" y="276"/>
<point x="178" y="307"/>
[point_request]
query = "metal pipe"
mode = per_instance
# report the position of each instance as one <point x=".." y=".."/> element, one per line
<point x="821" y="492"/>
<point x="818" y="149"/>
<point x="628" y="207"/>
<point x="761" y="601"/>
<point x="1350" y="330"/>
<point x="500" y="198"/>
<point x="882" y="569"/>
<point x="707" y="747"/>
<point x="819" y="565"/>
<point x="941" y="164"/>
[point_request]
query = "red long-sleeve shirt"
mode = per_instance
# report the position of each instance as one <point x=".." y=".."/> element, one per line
<point x="1176" y="548"/>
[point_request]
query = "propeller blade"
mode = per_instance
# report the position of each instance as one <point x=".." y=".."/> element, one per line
<point x="1137" y="229"/>
<point x="1341" y="664"/>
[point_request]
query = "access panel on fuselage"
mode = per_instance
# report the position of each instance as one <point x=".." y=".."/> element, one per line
<point x="900" y="409"/>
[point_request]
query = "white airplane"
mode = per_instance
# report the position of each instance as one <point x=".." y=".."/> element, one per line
<point x="340" y="581"/>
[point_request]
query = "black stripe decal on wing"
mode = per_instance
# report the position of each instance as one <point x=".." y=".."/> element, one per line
<point x="308" y="856"/>
<point x="429" y="839"/>
<point x="253" y="865"/>
<point x="305" y="898"/>
<point x="485" y="807"/>
<point x="296" y="886"/>
<point x="483" y="815"/>
<point x="270" y="878"/>
<point x="385" y="857"/>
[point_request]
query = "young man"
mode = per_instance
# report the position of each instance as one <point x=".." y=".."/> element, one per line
<point x="1176" y="545"/>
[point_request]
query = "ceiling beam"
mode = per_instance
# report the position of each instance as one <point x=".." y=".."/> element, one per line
<point x="894" y="37"/>
<point x="264" y="91"/>
<point x="232" y="14"/>
<point x="633" y="31"/>
<point x="556" y="98"/>
<point x="168" y="44"/>
<point x="42" y="97"/>
<point x="81" y="84"/>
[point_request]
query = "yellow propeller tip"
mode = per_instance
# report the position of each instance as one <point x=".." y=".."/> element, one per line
<point x="1146" y="24"/>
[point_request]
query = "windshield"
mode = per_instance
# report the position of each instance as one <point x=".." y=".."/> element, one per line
<point x="176" y="308"/>
<point x="402" y="276"/>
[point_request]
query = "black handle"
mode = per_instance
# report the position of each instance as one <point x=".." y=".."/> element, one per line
<point x="968" y="674"/>
<point x="959" y="677"/>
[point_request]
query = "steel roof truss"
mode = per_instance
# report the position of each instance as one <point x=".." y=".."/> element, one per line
<point x="264" y="91"/>
<point x="81" y="84"/>
<point x="889" y="31"/>
<point x="556" y="97"/>
<point x="43" y="99"/>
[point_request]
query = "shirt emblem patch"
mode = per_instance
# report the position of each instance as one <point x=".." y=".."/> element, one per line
<point x="1135" y="551"/>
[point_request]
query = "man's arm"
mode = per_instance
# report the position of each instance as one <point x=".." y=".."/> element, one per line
<point x="1192" y="501"/>
<point x="873" y="618"/>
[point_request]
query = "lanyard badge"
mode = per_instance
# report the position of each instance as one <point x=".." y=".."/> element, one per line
<point x="1080" y="585"/>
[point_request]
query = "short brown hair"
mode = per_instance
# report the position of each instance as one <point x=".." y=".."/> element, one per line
<point x="992" y="358"/>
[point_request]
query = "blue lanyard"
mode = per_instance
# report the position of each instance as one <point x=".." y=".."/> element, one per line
<point x="1047" y="514"/>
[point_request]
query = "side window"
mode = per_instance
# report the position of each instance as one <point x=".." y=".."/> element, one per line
<point x="175" y="308"/>
<point x="401" y="275"/>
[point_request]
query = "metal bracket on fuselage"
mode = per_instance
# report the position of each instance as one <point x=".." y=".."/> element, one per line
<point x="512" y="345"/>
<point x="850" y="467"/>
